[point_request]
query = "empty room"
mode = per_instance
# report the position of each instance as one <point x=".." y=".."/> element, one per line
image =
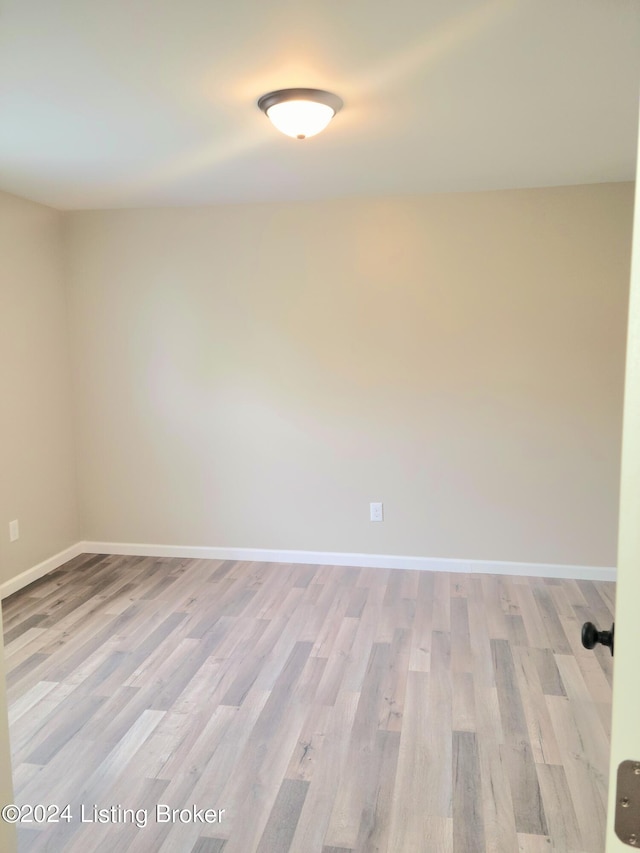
<point x="320" y="426"/>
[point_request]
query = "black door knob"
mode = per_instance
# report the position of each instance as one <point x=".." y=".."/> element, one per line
<point x="591" y="636"/>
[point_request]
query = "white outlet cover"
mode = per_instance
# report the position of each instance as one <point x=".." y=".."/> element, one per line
<point x="376" y="512"/>
<point x="14" y="531"/>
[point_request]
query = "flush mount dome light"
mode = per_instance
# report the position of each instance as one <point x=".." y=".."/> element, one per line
<point x="300" y="112"/>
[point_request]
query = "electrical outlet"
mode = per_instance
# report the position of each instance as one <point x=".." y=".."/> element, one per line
<point x="375" y="512"/>
<point x="14" y="531"/>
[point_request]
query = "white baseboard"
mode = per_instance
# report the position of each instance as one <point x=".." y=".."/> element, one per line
<point x="318" y="558"/>
<point x="43" y="568"/>
<point x="331" y="558"/>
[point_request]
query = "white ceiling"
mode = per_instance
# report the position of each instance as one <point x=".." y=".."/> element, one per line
<point x="120" y="103"/>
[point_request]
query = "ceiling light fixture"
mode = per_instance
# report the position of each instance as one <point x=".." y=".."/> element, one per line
<point x="300" y="112"/>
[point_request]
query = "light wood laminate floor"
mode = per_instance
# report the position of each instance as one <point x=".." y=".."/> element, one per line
<point x="325" y="709"/>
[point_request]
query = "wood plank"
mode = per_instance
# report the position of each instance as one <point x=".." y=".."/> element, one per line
<point x="329" y="742"/>
<point x="555" y="632"/>
<point x="468" y="823"/>
<point x="461" y="659"/>
<point x="541" y="733"/>
<point x="281" y="826"/>
<point x="463" y="703"/>
<point x="558" y="806"/>
<point x="587" y="786"/>
<point x="373" y="832"/>
<point x="359" y="771"/>
<point x="516" y="752"/>
<point x="409" y="803"/>
<point x="209" y="845"/>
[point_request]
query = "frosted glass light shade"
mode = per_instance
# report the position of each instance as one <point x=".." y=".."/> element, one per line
<point x="300" y="112"/>
<point x="300" y="118"/>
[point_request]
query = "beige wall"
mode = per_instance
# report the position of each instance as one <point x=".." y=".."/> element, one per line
<point x="37" y="467"/>
<point x="255" y="375"/>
